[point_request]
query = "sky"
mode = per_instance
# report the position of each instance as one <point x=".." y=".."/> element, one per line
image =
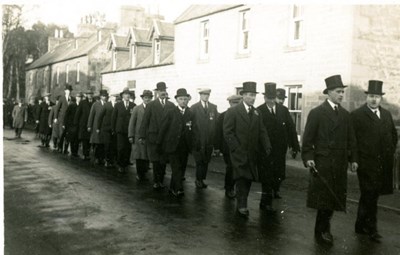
<point x="69" y="13"/>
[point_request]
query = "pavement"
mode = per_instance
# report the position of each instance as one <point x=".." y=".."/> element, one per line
<point x="54" y="204"/>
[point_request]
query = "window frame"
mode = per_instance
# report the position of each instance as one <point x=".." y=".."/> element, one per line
<point x="157" y="52"/>
<point x="133" y="51"/>
<point x="204" y="40"/>
<point x="78" y="71"/>
<point x="293" y="26"/>
<point x="66" y="73"/>
<point x="296" y="112"/>
<point x="244" y="16"/>
<point x="58" y="75"/>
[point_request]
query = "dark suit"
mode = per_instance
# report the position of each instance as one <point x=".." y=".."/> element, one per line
<point x="376" y="145"/>
<point x="248" y="142"/>
<point x="59" y="114"/>
<point x="106" y="134"/>
<point x="328" y="140"/>
<point x="221" y="145"/>
<point x="44" y="128"/>
<point x="70" y="129"/>
<point x="149" y="131"/>
<point x="206" y="120"/>
<point x="80" y="121"/>
<point x="175" y="139"/>
<point x="119" y="123"/>
<point x="282" y="133"/>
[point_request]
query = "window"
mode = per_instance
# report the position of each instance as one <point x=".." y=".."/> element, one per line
<point x="157" y="53"/>
<point x="244" y="32"/>
<point x="114" y="60"/>
<point x="295" y="105"/>
<point x="296" y="31"/>
<point x="133" y="55"/>
<point x="204" y="33"/>
<point x="31" y="78"/>
<point x="37" y="77"/>
<point x="78" y="70"/>
<point x="58" y="75"/>
<point x="238" y="90"/>
<point x="66" y="73"/>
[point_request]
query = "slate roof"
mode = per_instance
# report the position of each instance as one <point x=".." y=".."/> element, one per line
<point x="198" y="11"/>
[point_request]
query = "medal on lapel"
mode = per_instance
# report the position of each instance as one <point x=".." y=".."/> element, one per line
<point x="189" y="125"/>
<point x="211" y="115"/>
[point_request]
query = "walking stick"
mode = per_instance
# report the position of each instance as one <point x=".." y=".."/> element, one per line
<point x="323" y="180"/>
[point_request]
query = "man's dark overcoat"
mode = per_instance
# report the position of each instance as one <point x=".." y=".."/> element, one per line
<point x="81" y="119"/>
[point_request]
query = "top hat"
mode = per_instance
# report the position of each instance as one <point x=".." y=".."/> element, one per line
<point x="127" y="91"/>
<point x="181" y="93"/>
<point x="67" y="86"/>
<point x="104" y="93"/>
<point x="249" y="86"/>
<point x="146" y="93"/>
<point x="234" y="98"/>
<point x="375" y="87"/>
<point x="205" y="91"/>
<point x="333" y="82"/>
<point x="161" y="86"/>
<point x="270" y="89"/>
<point x="281" y="93"/>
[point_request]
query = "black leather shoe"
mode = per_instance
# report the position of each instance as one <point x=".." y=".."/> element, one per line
<point x="230" y="193"/>
<point x="243" y="212"/>
<point x="324" y="237"/>
<point x="267" y="208"/>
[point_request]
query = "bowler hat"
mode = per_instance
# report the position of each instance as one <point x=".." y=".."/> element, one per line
<point x="103" y="93"/>
<point x="249" y="86"/>
<point x="333" y="82"/>
<point x="127" y="91"/>
<point x="270" y="89"/>
<point x="89" y="92"/>
<point x="161" y="86"/>
<point x="234" y="98"/>
<point x="146" y="93"/>
<point x="181" y="93"/>
<point x="281" y="93"/>
<point x="67" y="86"/>
<point x="204" y="91"/>
<point x="375" y="87"/>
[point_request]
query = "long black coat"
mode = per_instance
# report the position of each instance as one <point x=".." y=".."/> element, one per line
<point x="61" y="109"/>
<point x="376" y="144"/>
<point x="282" y="134"/>
<point x="206" y="130"/>
<point x="81" y="119"/>
<point x="44" y="112"/>
<point x="70" y="127"/>
<point x="248" y="141"/>
<point x="174" y="127"/>
<point x="329" y="140"/>
<point x="151" y="124"/>
<point x="220" y="142"/>
<point x="104" y="122"/>
<point x="120" y="117"/>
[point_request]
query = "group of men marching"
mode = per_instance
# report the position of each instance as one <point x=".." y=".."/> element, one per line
<point x="253" y="141"/>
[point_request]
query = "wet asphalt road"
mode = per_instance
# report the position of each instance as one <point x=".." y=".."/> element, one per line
<point x="58" y="205"/>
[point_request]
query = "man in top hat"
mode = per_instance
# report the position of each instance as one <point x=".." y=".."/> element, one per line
<point x="55" y="130"/>
<point x="280" y="96"/>
<point x="376" y="144"/>
<point x="69" y="127"/>
<point x="107" y="135"/>
<point x="149" y="129"/>
<point x="205" y="115"/>
<point x="119" y="123"/>
<point x="92" y="126"/>
<point x="20" y="117"/>
<point x="328" y="146"/>
<point x="81" y="120"/>
<point x="139" y="150"/>
<point x="282" y="134"/>
<point x="175" y="139"/>
<point x="248" y="143"/>
<point x="59" y="114"/>
<point x="44" y="128"/>
<point x="223" y="147"/>
<point x="36" y="114"/>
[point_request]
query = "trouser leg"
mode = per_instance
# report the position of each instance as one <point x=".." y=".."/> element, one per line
<point x="266" y="195"/>
<point x="242" y="192"/>
<point x="176" y="162"/>
<point x="229" y="182"/>
<point x="322" y="222"/>
<point x="85" y="147"/>
<point x="141" y="167"/>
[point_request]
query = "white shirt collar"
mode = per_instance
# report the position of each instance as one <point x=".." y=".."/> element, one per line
<point x="161" y="100"/>
<point x="378" y="112"/>
<point x="181" y="109"/>
<point x="332" y="104"/>
<point x="247" y="107"/>
<point x="203" y="103"/>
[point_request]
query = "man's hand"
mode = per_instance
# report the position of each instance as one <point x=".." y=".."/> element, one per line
<point x="89" y="129"/>
<point x="216" y="152"/>
<point x="142" y="141"/>
<point x="55" y="121"/>
<point x="294" y="154"/>
<point x="131" y="140"/>
<point x="37" y="122"/>
<point x="97" y="130"/>
<point x="63" y="127"/>
<point x="354" y="166"/>
<point x="310" y="163"/>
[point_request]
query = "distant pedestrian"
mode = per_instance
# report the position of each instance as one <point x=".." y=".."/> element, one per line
<point x="139" y="150"/>
<point x="120" y="122"/>
<point x="175" y="139"/>
<point x="69" y="126"/>
<point x="106" y="133"/>
<point x="376" y="143"/>
<point x="55" y="130"/>
<point x="59" y="114"/>
<point x="149" y="129"/>
<point x="43" y="120"/>
<point x="81" y="120"/>
<point x="223" y="147"/>
<point x="205" y="115"/>
<point x="248" y="143"/>
<point x="36" y="112"/>
<point x="20" y="117"/>
<point x="328" y="146"/>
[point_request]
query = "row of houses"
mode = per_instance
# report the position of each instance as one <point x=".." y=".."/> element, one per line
<point x="221" y="46"/>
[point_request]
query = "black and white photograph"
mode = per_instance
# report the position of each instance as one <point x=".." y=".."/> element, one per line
<point x="200" y="127"/>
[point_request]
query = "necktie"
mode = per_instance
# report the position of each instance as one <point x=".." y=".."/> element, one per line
<point x="376" y="113"/>
<point x="272" y="111"/>
<point x="182" y="111"/>
<point x="126" y="106"/>
<point x="162" y="102"/>
<point x="206" y="106"/>
<point x="250" y="111"/>
<point x="336" y="110"/>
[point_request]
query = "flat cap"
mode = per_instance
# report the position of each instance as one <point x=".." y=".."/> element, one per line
<point x="204" y="91"/>
<point x="234" y="98"/>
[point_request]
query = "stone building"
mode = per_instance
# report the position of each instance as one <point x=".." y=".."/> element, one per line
<point x="296" y="46"/>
